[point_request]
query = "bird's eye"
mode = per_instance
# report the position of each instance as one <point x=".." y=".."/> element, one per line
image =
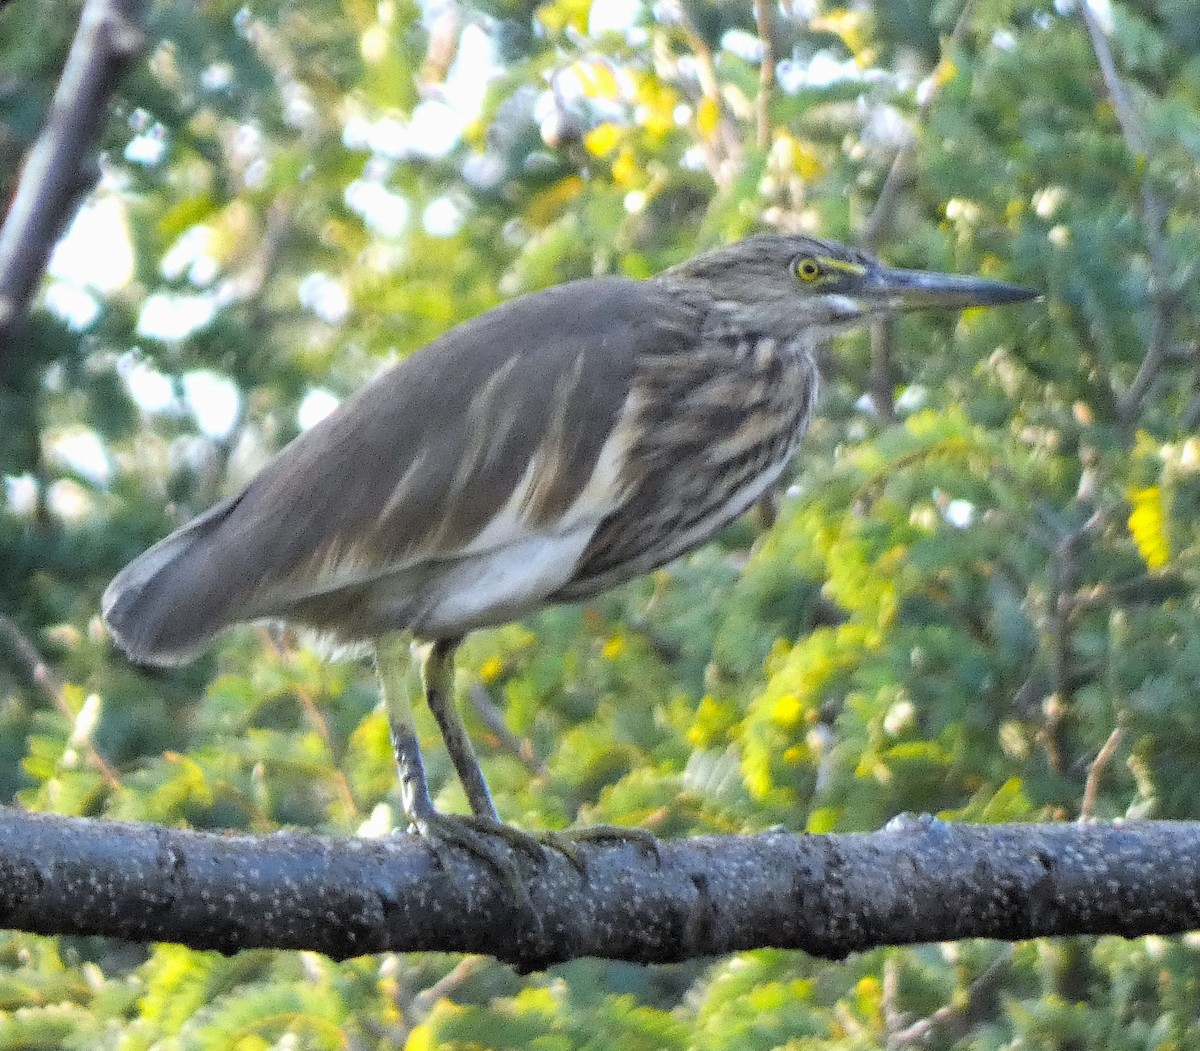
<point x="807" y="269"/>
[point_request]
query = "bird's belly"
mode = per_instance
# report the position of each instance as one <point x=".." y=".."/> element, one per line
<point x="487" y="587"/>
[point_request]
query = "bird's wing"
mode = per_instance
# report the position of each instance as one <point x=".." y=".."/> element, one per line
<point x="498" y="432"/>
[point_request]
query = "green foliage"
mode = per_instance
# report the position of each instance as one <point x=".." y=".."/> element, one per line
<point x="959" y="600"/>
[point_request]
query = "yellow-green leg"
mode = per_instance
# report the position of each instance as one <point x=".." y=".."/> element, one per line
<point x="477" y="834"/>
<point x="437" y="674"/>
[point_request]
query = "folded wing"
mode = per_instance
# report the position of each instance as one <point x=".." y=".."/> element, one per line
<point x="457" y="489"/>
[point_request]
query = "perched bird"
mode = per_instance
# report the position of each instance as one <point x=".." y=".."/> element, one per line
<point x="553" y="447"/>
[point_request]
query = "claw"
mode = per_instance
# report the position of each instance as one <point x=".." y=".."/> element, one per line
<point x="644" y="840"/>
<point x="477" y="837"/>
<point x="533" y="844"/>
<point x="561" y="841"/>
<point x="566" y="842"/>
<point x="515" y="838"/>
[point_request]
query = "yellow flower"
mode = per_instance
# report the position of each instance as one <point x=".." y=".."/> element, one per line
<point x="1148" y="525"/>
<point x="614" y="647"/>
<point x="491" y="670"/>
<point x="603" y="139"/>
<point x="786" y="710"/>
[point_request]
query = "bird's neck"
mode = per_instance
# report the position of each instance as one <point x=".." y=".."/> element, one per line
<point x="737" y="322"/>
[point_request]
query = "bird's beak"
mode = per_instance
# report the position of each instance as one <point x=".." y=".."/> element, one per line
<point x="904" y="290"/>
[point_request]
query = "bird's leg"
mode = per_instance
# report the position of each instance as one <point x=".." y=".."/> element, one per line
<point x="476" y="833"/>
<point x="437" y="829"/>
<point x="437" y="675"/>
<point x="391" y="668"/>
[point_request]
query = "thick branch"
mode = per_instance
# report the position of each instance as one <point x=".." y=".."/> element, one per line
<point x="918" y="880"/>
<point x="55" y="176"/>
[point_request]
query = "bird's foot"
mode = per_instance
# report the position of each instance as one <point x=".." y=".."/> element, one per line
<point x="492" y="842"/>
<point x="565" y="842"/>
<point x="495" y="843"/>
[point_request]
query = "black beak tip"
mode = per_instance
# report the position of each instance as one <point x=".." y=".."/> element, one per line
<point x="1006" y="294"/>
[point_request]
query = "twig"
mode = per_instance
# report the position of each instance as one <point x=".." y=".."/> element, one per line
<point x="313" y="711"/>
<point x="1064" y="574"/>
<point x="55" y="176"/>
<point x="1144" y="589"/>
<point x="416" y="1007"/>
<point x="36" y="668"/>
<point x="949" y="1013"/>
<point x="892" y="1018"/>
<point x="449" y="983"/>
<point x="1096" y="770"/>
<point x="493" y="719"/>
<point x="1098" y="361"/>
<point x="882" y="378"/>
<point x="1131" y="126"/>
<point x="875" y="228"/>
<point x="766" y="74"/>
<point x="1154" y="213"/>
<point x="724" y="163"/>
<point x="42" y="675"/>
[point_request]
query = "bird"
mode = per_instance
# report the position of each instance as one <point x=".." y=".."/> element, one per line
<point x="541" y="453"/>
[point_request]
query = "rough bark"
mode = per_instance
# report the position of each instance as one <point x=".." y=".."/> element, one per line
<point x="917" y="880"/>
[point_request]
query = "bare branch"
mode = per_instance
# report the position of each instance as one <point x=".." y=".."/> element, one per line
<point x="445" y="986"/>
<point x="40" y="674"/>
<point x="1091" y="788"/>
<point x="493" y="719"/>
<point x="918" y="880"/>
<point x="763" y="12"/>
<point x="876" y="227"/>
<point x="943" y="1017"/>
<point x="56" y="173"/>
<point x="1154" y="214"/>
<point x="882" y="379"/>
<point x="32" y="663"/>
<point x="723" y="151"/>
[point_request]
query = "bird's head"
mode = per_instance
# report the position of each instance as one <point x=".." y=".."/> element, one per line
<point x="784" y="286"/>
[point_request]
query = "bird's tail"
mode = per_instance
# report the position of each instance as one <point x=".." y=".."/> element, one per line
<point x="168" y="603"/>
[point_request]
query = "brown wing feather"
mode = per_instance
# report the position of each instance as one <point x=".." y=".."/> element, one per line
<point x="408" y="471"/>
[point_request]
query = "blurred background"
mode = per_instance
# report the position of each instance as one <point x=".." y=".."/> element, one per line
<point x="979" y="578"/>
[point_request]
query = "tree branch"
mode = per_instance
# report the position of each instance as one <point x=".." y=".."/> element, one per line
<point x="763" y="16"/>
<point x="723" y="150"/>
<point x="876" y="227"/>
<point x="1091" y="787"/>
<point x="1154" y="213"/>
<point x="41" y="675"/>
<point x="56" y="173"/>
<point x="493" y="718"/>
<point x="918" y="880"/>
<point x="959" y="1011"/>
<point x="882" y="379"/>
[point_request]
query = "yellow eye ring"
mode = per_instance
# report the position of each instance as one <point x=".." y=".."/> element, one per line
<point x="807" y="269"/>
